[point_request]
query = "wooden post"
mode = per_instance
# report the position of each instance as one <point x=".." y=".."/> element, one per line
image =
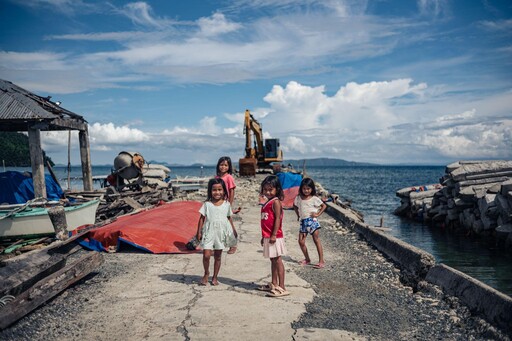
<point x="69" y="159"/>
<point x="60" y="225"/>
<point x="36" y="160"/>
<point x="85" y="156"/>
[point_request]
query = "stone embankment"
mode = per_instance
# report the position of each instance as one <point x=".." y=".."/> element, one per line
<point x="474" y="195"/>
<point x="419" y="267"/>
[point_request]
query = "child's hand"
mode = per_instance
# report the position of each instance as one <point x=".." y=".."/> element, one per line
<point x="198" y="236"/>
<point x="272" y="240"/>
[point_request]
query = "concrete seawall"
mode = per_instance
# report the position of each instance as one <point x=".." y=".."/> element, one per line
<point x="419" y="265"/>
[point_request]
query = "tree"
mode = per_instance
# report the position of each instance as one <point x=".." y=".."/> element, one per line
<point x="15" y="151"/>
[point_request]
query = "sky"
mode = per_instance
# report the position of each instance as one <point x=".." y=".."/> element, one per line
<point x="379" y="81"/>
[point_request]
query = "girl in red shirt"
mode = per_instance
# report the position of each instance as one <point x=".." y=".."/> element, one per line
<point x="272" y="238"/>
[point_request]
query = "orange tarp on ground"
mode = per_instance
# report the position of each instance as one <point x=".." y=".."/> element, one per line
<point x="163" y="229"/>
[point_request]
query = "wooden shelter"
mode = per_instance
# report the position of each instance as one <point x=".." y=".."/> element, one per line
<point x="21" y="110"/>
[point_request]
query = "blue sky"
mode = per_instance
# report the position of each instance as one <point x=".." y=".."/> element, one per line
<point x="421" y="82"/>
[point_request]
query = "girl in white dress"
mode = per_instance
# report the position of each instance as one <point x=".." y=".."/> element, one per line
<point x="215" y="228"/>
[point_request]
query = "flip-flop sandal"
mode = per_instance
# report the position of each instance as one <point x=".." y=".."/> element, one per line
<point x="278" y="292"/>
<point x="232" y="250"/>
<point x="304" y="262"/>
<point x="320" y="266"/>
<point x="266" y="287"/>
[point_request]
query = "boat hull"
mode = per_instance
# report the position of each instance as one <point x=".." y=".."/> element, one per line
<point x="36" y="221"/>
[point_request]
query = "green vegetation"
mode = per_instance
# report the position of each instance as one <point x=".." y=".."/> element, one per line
<point x="14" y="150"/>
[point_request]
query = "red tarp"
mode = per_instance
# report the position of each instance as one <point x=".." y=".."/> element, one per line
<point x="163" y="229"/>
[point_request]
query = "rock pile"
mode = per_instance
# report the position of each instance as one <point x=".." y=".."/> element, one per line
<point x="475" y="195"/>
<point x="417" y="201"/>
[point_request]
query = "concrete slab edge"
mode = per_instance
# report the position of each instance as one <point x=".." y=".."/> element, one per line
<point x="495" y="306"/>
<point x="478" y="296"/>
<point x="413" y="260"/>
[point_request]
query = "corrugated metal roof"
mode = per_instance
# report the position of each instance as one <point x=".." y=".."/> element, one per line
<point x="19" y="104"/>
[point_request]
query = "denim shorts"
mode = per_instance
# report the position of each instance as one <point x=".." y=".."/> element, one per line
<point x="309" y="225"/>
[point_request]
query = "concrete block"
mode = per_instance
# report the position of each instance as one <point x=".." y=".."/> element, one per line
<point x="414" y="261"/>
<point x="506" y="187"/>
<point x="495" y="306"/>
<point x="411" y="259"/>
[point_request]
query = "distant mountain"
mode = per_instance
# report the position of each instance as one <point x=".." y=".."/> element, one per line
<point x="325" y="162"/>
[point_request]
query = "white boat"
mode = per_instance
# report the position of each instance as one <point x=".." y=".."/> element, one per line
<point x="33" y="221"/>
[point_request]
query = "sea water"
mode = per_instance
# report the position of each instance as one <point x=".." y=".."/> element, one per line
<point x="372" y="191"/>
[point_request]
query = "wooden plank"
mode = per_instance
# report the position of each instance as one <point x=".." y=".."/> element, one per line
<point x="25" y="278"/>
<point x="18" y="276"/>
<point x="48" y="288"/>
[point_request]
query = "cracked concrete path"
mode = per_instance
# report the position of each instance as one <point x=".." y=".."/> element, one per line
<point x="136" y="296"/>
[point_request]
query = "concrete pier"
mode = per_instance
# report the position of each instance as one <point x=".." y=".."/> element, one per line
<point x="359" y="295"/>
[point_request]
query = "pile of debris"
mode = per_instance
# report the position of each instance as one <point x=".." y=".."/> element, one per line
<point x="417" y="201"/>
<point x="475" y="195"/>
<point x="116" y="203"/>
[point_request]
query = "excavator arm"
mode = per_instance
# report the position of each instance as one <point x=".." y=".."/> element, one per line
<point x="251" y="126"/>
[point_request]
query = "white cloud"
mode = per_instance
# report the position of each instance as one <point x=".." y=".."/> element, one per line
<point x="479" y="140"/>
<point x="67" y="7"/>
<point x="272" y="45"/>
<point x="295" y="144"/>
<point x="364" y="106"/>
<point x="433" y="8"/>
<point x="141" y="13"/>
<point x="497" y="25"/>
<point x="216" y="24"/>
<point x="109" y="134"/>
<point x="33" y="60"/>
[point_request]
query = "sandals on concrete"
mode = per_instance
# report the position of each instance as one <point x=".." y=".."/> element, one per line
<point x="304" y="262"/>
<point x="266" y="287"/>
<point x="232" y="250"/>
<point x="278" y="292"/>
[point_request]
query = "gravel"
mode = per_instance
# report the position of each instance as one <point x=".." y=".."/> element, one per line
<point x="360" y="291"/>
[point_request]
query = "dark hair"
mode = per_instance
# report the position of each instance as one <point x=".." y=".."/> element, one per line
<point x="273" y="181"/>
<point x="230" y="166"/>
<point x="309" y="183"/>
<point x="216" y="181"/>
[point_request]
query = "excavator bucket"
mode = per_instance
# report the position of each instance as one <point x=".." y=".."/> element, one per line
<point x="247" y="166"/>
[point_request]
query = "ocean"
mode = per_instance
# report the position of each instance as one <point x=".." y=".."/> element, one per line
<point x="371" y="189"/>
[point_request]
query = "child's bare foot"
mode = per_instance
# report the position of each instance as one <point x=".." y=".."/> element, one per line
<point x="215" y="281"/>
<point x="204" y="280"/>
<point x="232" y="250"/>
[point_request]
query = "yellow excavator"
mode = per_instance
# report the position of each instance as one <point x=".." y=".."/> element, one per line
<point x="259" y="155"/>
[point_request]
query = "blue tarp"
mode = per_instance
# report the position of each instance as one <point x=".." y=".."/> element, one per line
<point x="289" y="180"/>
<point x="18" y="188"/>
